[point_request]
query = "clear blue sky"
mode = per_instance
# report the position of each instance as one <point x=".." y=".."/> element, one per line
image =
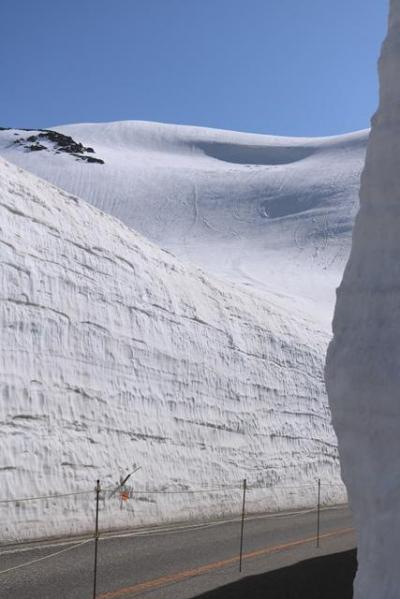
<point x="290" y="67"/>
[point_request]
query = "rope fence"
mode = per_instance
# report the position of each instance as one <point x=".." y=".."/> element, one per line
<point x="125" y="506"/>
<point x="168" y="491"/>
<point x="91" y="513"/>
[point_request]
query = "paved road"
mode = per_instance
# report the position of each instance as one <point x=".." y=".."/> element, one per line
<point x="171" y="563"/>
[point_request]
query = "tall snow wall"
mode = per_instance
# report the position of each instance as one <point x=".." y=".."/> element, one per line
<point x="114" y="352"/>
<point x="363" y="361"/>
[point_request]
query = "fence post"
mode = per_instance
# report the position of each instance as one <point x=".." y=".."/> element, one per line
<point x="242" y="524"/>
<point x="96" y="538"/>
<point x="318" y="512"/>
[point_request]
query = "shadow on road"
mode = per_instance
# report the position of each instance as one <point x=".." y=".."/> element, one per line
<point x="328" y="577"/>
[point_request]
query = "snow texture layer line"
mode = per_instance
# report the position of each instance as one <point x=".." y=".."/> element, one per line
<point x="113" y="352"/>
<point x="363" y="369"/>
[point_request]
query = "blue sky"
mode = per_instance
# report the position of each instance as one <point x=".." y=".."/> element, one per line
<point x="289" y="67"/>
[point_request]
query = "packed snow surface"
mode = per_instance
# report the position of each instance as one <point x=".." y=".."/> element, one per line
<point x="272" y="213"/>
<point x="114" y="352"/>
<point x="363" y="363"/>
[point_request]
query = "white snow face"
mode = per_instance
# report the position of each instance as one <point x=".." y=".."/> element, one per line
<point x="113" y="352"/>
<point x="363" y="362"/>
<point x="272" y="213"/>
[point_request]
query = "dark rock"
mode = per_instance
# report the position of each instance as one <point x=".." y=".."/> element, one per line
<point x="36" y="147"/>
<point x="91" y="159"/>
<point x="61" y="143"/>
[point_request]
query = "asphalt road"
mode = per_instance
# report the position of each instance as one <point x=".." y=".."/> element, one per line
<point x="178" y="562"/>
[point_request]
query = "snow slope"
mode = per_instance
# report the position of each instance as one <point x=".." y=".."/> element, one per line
<point x="269" y="212"/>
<point x="363" y="362"/>
<point x="113" y="351"/>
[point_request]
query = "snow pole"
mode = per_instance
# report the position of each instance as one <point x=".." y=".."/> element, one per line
<point x="96" y="538"/>
<point x="242" y="524"/>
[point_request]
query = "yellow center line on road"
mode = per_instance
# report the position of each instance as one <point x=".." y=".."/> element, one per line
<point x="157" y="583"/>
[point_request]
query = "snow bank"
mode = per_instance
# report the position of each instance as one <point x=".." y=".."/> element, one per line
<point x="112" y="352"/>
<point x="363" y="362"/>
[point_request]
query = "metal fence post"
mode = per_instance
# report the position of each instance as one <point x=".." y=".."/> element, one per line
<point x="318" y="512"/>
<point x="242" y="524"/>
<point x="96" y="538"/>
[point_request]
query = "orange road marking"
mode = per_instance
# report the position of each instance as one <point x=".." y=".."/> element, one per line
<point x="185" y="574"/>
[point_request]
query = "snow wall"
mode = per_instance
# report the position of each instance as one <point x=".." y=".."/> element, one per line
<point x="112" y="352"/>
<point x="363" y="361"/>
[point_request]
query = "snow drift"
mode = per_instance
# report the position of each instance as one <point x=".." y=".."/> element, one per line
<point x="113" y="351"/>
<point x="363" y="367"/>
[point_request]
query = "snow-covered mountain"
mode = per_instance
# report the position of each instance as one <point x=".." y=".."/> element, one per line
<point x="270" y="212"/>
<point x="203" y="368"/>
<point x="113" y="351"/>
